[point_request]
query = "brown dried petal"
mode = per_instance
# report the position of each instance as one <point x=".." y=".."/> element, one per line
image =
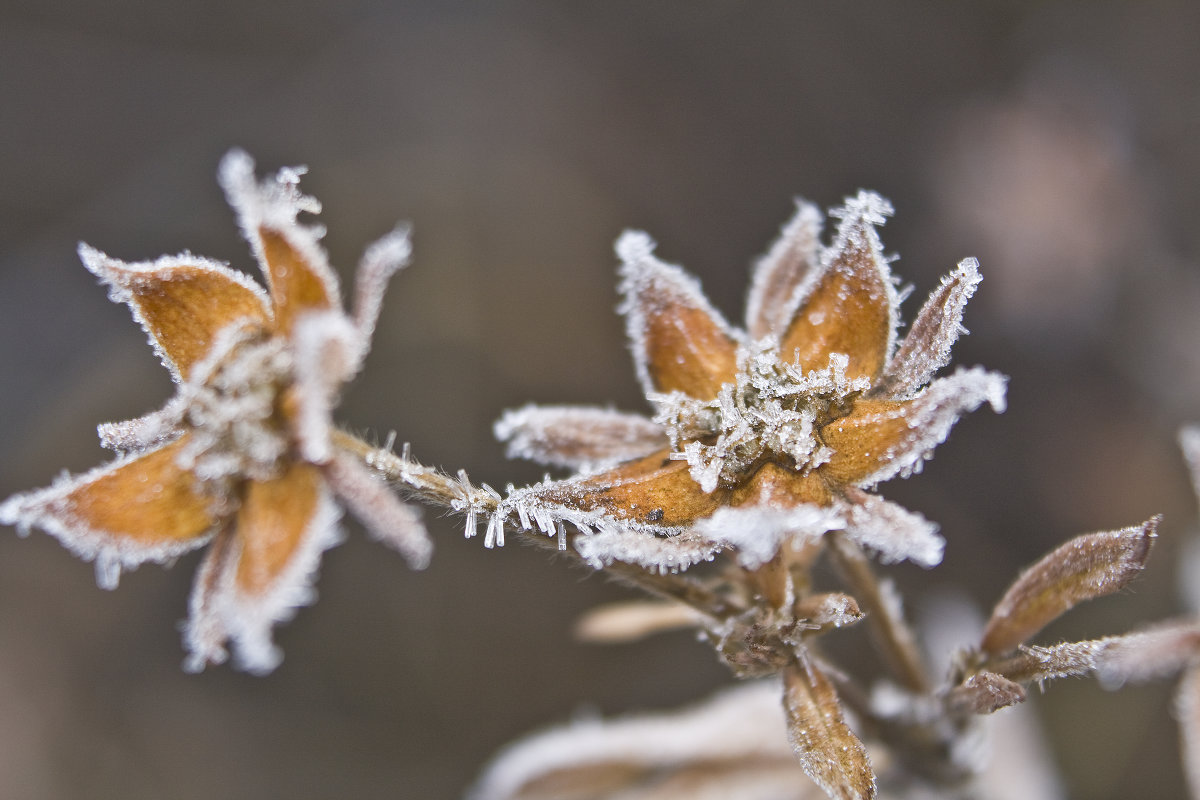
<point x="275" y="517"/>
<point x="926" y="348"/>
<point x="680" y="342"/>
<point x="984" y="693"/>
<point x="1084" y="568"/>
<point x="180" y="301"/>
<point x="297" y="284"/>
<point x="828" y="750"/>
<point x="653" y="490"/>
<point x="779" y="274"/>
<point x="137" y="508"/>
<point x="880" y="439"/>
<point x="577" y="437"/>
<point x="851" y="305"/>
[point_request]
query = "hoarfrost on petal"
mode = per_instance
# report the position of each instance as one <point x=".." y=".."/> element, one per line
<point x="145" y="432"/>
<point x="386" y="518"/>
<point x="777" y="277"/>
<point x="926" y="348"/>
<point x="679" y="340"/>
<point x="326" y="350"/>
<point x="905" y="434"/>
<point x="250" y="618"/>
<point x="757" y="533"/>
<point x="895" y="533"/>
<point x="657" y="553"/>
<point x="745" y="723"/>
<point x="379" y="263"/>
<point x="580" y="438"/>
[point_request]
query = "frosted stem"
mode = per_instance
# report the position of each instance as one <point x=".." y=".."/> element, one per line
<point x="891" y="634"/>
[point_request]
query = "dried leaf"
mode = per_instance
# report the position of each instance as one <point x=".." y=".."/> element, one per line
<point x="1156" y="652"/>
<point x="1084" y="568"/>
<point x="779" y="274"/>
<point x="617" y="623"/>
<point x="577" y="437"/>
<point x="926" y="348"/>
<point x="984" y="693"/>
<point x="828" y="750"/>
<point x="881" y="439"/>
<point x="850" y="305"/>
<point x="180" y="301"/>
<point x="680" y="342"/>
<point x="1066" y="660"/>
<point x="828" y="610"/>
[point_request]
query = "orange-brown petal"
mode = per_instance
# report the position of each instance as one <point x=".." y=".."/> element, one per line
<point x="680" y="342"/>
<point x="290" y="254"/>
<point x="779" y="275"/>
<point x="275" y="521"/>
<point x="138" y="508"/>
<point x="653" y="490"/>
<point x="852" y="305"/>
<point x="182" y="302"/>
<point x="299" y="281"/>
<point x="776" y="486"/>
<point x="880" y="439"/>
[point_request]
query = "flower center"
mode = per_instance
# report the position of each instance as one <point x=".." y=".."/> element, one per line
<point x="772" y="409"/>
<point x="234" y="407"/>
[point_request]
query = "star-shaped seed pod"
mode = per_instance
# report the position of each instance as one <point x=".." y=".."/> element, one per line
<point x="771" y="434"/>
<point x="242" y="457"/>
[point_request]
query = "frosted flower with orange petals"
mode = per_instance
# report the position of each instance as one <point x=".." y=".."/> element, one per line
<point x="764" y="435"/>
<point x="242" y="457"/>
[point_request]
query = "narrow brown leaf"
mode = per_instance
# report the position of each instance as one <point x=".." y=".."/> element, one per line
<point x="1066" y="660"/>
<point x="1084" y="568"/>
<point x="984" y="693"/>
<point x="828" y="750"/>
<point x="615" y="623"/>
<point x="680" y="342"/>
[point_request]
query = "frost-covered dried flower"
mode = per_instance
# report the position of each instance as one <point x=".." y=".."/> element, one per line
<point x="770" y="434"/>
<point x="242" y="456"/>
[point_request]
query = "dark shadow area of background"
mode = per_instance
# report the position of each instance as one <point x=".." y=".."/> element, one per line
<point x="1057" y="142"/>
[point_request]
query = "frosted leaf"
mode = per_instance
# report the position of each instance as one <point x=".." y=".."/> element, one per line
<point x="679" y="341"/>
<point x="880" y="440"/>
<point x="145" y="432"/>
<point x="140" y="507"/>
<point x="379" y="263"/>
<point x="386" y="518"/>
<point x="1151" y="654"/>
<point x="757" y="533"/>
<point x="224" y="611"/>
<point x="827" y="749"/>
<point x="274" y="204"/>
<point x="656" y="553"/>
<point x="926" y="348"/>
<point x="181" y="302"/>
<point x="778" y="275"/>
<point x="895" y="533"/>
<point x="1086" y="567"/>
<point x="580" y="438"/>
<point x="743" y="725"/>
<point x="849" y="305"/>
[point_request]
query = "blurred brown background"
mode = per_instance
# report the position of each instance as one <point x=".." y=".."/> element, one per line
<point x="1057" y="142"/>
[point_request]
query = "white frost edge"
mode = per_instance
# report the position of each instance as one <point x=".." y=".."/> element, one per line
<point x="108" y="550"/>
<point x="894" y="532"/>
<point x="641" y="273"/>
<point x="247" y="621"/>
<point x="933" y="413"/>
<point x="743" y="722"/>
<point x="275" y="203"/>
<point x="757" y="532"/>
<point x="798" y="249"/>
<point x="119" y="276"/>
<point x="527" y="431"/>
